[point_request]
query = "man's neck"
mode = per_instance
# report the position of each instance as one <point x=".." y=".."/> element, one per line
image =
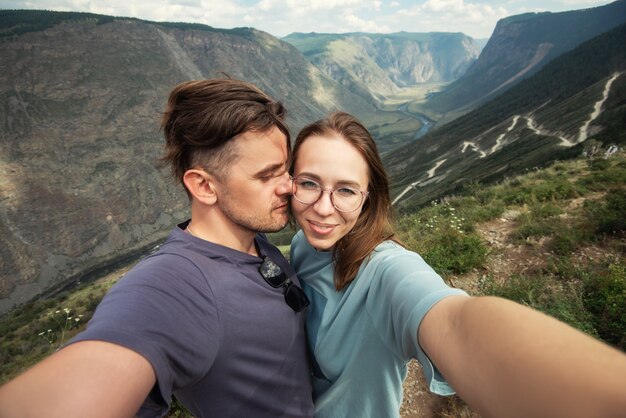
<point x="226" y="234"/>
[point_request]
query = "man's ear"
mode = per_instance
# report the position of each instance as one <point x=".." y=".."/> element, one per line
<point x="201" y="185"/>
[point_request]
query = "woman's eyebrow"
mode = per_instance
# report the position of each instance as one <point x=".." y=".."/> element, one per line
<point x="319" y="179"/>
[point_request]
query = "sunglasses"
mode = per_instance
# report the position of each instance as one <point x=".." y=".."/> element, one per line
<point x="276" y="277"/>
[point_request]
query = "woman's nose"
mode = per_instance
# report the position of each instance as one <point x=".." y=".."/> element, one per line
<point x="324" y="205"/>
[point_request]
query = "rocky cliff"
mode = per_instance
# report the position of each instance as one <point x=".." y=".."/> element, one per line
<point x="80" y="102"/>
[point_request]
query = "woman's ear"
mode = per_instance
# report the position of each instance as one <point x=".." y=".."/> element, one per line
<point x="201" y="185"/>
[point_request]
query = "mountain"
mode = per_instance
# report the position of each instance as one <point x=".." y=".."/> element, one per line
<point x="578" y="96"/>
<point x="376" y="65"/>
<point x="81" y="97"/>
<point x="522" y="45"/>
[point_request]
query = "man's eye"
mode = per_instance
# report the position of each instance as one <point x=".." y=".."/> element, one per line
<point x="272" y="175"/>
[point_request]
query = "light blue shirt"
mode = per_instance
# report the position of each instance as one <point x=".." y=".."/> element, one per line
<point x="363" y="336"/>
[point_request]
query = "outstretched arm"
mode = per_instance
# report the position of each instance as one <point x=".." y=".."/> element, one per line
<point x="507" y="360"/>
<point x="85" y="379"/>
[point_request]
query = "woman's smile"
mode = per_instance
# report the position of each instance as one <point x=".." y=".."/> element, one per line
<point x="321" y="228"/>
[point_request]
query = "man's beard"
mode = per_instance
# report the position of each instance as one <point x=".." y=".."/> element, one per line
<point x="252" y="221"/>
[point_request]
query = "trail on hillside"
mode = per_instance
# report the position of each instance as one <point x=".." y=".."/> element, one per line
<point x="538" y="130"/>
<point x="531" y="124"/>
<point x="431" y="173"/>
<point x="597" y="108"/>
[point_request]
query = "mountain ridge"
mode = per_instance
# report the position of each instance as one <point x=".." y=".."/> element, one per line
<point x="520" y="46"/>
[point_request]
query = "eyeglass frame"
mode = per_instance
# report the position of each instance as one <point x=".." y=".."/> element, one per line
<point x="364" y="195"/>
<point x="270" y="271"/>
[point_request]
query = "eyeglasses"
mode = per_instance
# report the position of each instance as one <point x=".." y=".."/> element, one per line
<point x="343" y="198"/>
<point x="276" y="277"/>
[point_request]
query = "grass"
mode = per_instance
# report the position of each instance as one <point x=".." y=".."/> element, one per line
<point x="37" y="329"/>
<point x="587" y="292"/>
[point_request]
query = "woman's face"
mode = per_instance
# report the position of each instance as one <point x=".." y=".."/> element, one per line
<point x="335" y="164"/>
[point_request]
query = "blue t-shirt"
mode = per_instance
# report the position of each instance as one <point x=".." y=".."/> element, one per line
<point x="363" y="336"/>
<point x="218" y="336"/>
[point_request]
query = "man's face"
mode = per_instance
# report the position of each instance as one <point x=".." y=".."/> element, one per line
<point x="254" y="195"/>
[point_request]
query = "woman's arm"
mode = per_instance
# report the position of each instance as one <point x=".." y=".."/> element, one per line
<point x="507" y="360"/>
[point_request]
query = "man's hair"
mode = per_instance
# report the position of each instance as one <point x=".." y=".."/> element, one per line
<point x="202" y="117"/>
<point x="375" y="223"/>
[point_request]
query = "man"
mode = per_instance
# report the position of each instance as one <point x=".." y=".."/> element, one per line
<point x="215" y="316"/>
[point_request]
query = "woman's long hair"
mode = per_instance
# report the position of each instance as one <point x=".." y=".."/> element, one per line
<point x="375" y="223"/>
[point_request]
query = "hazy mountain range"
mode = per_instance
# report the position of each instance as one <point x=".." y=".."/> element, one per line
<point x="81" y="96"/>
<point x="377" y="65"/>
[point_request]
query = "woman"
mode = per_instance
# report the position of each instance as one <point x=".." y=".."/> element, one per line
<point x="375" y="305"/>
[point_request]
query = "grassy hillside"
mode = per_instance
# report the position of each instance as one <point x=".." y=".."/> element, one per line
<point x="552" y="239"/>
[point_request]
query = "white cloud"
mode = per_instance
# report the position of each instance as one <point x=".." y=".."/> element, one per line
<point x="442" y="5"/>
<point x="360" y="25"/>
<point x="474" y="19"/>
<point x="281" y="17"/>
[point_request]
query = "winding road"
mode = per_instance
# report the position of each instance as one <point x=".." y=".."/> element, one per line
<point x="530" y="123"/>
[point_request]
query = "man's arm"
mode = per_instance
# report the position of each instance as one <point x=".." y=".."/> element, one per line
<point x="507" y="360"/>
<point x="85" y="379"/>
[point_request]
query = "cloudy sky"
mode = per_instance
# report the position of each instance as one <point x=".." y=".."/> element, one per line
<point x="476" y="18"/>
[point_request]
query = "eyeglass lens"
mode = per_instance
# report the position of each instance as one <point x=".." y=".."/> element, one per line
<point x="345" y="199"/>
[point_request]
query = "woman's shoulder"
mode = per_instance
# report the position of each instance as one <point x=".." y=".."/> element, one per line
<point x="391" y="249"/>
<point x="391" y="255"/>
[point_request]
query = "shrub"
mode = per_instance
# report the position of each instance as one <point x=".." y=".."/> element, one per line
<point x="598" y="164"/>
<point x="608" y="216"/>
<point x="557" y="298"/>
<point x="545" y="210"/>
<point x="605" y="179"/>
<point x="455" y="252"/>
<point x="566" y="240"/>
<point x="605" y="297"/>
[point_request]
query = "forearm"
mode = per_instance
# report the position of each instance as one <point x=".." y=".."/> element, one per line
<point x="505" y="359"/>
<point x="89" y="378"/>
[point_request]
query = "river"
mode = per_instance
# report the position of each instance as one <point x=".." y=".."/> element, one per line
<point x="426" y="122"/>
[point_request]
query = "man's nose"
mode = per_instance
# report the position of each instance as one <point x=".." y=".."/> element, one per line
<point x="285" y="185"/>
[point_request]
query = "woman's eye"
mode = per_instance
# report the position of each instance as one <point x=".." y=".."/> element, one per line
<point x="346" y="191"/>
<point x="308" y="184"/>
